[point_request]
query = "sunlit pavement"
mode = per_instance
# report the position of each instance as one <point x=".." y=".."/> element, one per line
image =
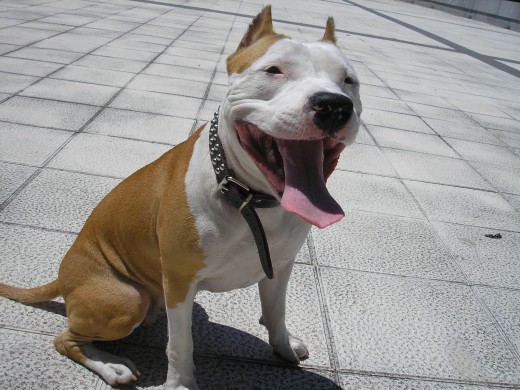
<point x="406" y="292"/>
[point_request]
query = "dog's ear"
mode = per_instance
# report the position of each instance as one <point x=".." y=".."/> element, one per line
<point x="330" y="30"/>
<point x="260" y="29"/>
<point x="261" y="26"/>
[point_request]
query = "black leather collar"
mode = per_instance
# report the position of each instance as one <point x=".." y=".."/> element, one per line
<point x="241" y="197"/>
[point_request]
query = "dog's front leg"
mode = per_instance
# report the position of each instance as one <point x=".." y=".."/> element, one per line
<point x="180" y="344"/>
<point x="272" y="297"/>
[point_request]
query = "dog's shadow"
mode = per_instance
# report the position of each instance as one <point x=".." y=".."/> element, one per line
<point x="225" y="357"/>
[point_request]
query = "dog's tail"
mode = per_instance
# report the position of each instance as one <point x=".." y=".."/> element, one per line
<point x="31" y="295"/>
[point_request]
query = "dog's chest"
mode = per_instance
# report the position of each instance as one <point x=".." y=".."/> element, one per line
<point x="231" y="255"/>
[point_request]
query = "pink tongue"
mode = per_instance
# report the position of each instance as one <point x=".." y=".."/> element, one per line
<point x="305" y="193"/>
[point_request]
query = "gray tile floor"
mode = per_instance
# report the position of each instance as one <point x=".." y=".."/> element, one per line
<point x="406" y="292"/>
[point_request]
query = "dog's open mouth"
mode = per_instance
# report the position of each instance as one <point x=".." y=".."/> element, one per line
<point x="297" y="170"/>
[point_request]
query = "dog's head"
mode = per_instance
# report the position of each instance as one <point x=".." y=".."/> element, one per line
<point x="291" y="109"/>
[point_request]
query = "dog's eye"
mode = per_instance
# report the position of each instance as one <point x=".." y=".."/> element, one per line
<point x="349" y="80"/>
<point x="273" y="70"/>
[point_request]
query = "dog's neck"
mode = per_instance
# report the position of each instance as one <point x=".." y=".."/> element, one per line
<point x="240" y="196"/>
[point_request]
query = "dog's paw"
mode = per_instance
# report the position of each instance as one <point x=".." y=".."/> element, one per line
<point x="174" y="385"/>
<point x="118" y="374"/>
<point x="293" y="349"/>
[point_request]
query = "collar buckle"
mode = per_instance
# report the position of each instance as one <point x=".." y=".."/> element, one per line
<point x="222" y="186"/>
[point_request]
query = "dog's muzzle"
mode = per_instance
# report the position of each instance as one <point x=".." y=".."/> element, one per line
<point x="332" y="111"/>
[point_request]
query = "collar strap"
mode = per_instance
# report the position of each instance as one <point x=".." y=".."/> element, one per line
<point x="241" y="197"/>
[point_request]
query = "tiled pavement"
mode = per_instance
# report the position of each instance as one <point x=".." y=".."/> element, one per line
<point x="405" y="293"/>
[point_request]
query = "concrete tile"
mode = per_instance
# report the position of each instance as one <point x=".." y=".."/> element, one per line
<point x="363" y="137"/>
<point x="27" y="144"/>
<point x="430" y="100"/>
<point x="485" y="153"/>
<point x="365" y="158"/>
<point x="385" y="104"/>
<point x="88" y="36"/>
<point x="514" y="200"/>
<point x="12" y="176"/>
<point x="505" y="306"/>
<point x="435" y="169"/>
<point x="504" y="179"/>
<point x="484" y="260"/>
<point x="238" y="333"/>
<point x="12" y="83"/>
<point x="508" y="137"/>
<point x="58" y="200"/>
<point x="117" y="64"/>
<point x="385" y="244"/>
<point x="497" y="123"/>
<point x="473" y="133"/>
<point x="357" y="191"/>
<point x="114" y="25"/>
<point x="179" y="72"/>
<point x="68" y="19"/>
<point x="106" y="156"/>
<point x="363" y="382"/>
<point x="5" y="48"/>
<point x="29" y="258"/>
<point x="192" y="53"/>
<point x="139" y="125"/>
<point x="23" y="36"/>
<point x="94" y="75"/>
<point x="27" y="67"/>
<point x="217" y="92"/>
<point x="441" y="113"/>
<point x="71" y="91"/>
<point x="464" y="206"/>
<point x="130" y="54"/>
<point x="157" y="103"/>
<point x="38" y="112"/>
<point x="378" y="91"/>
<point x="44" y="367"/>
<point x="411" y="141"/>
<point x="404" y="326"/>
<point x="394" y="120"/>
<point x="34" y="53"/>
<point x="146" y="82"/>
<point x="220" y="78"/>
<point x="59" y="43"/>
<point x="141" y="38"/>
<point x="47" y="26"/>
<point x="214" y="47"/>
<point x="158" y="31"/>
<point x="133" y="43"/>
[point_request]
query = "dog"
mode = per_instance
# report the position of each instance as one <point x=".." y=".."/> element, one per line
<point x="211" y="213"/>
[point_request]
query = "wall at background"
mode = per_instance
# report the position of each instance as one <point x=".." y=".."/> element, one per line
<point x="503" y="13"/>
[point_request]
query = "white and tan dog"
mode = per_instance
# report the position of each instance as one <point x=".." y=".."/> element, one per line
<point x="167" y="232"/>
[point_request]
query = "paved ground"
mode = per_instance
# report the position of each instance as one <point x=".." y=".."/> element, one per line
<point x="405" y="293"/>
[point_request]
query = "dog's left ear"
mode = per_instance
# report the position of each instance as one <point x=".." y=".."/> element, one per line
<point x="261" y="26"/>
<point x="330" y="31"/>
<point x="258" y="38"/>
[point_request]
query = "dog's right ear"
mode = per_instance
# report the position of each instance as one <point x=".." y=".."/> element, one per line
<point x="260" y="29"/>
<point x="261" y="26"/>
<point x="330" y="30"/>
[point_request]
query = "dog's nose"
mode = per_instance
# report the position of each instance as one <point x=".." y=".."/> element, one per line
<point x="332" y="110"/>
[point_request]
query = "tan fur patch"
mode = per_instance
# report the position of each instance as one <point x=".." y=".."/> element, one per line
<point x="181" y="256"/>
<point x="244" y="58"/>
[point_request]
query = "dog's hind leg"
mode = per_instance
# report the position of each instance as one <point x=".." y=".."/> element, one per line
<point x="111" y="311"/>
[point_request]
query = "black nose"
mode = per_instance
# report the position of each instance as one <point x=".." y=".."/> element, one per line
<point x="332" y="110"/>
